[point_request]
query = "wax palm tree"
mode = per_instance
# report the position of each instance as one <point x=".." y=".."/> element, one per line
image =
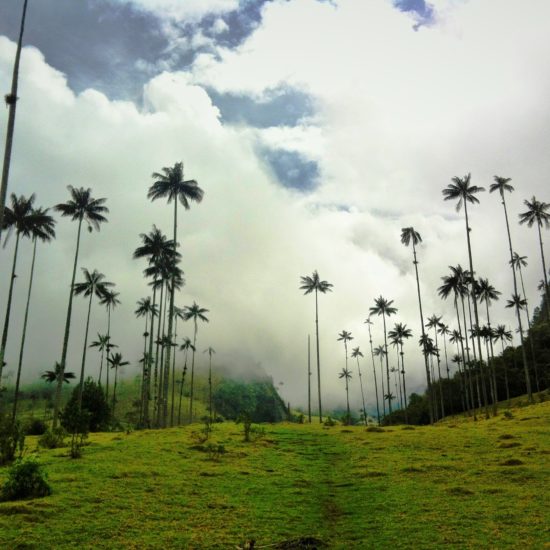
<point x="504" y="335"/>
<point x="356" y="353"/>
<point x="22" y="218"/>
<point x="11" y="102"/>
<point x="384" y="307"/>
<point x="196" y="313"/>
<point x="178" y="314"/>
<point x="158" y="250"/>
<point x="115" y="360"/>
<point x="433" y="323"/>
<point x="171" y="185"/>
<point x="43" y="230"/>
<point x="81" y="207"/>
<point x="93" y="285"/>
<point x="487" y="294"/>
<point x="538" y="212"/>
<point x="399" y="334"/>
<point x="210" y="351"/>
<point x="308" y="285"/>
<point x="368" y="322"/>
<point x="186" y="346"/>
<point x="410" y="236"/>
<point x="520" y="304"/>
<point x="346" y="374"/>
<point x="145" y="308"/>
<point x="380" y="352"/>
<point x="345" y="337"/>
<point x="102" y="345"/>
<point x="463" y="192"/>
<point x="55" y="375"/>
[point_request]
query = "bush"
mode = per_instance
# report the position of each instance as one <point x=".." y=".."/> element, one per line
<point x="93" y="401"/>
<point x="53" y="439"/>
<point x="26" y="479"/>
<point x="12" y="438"/>
<point x="329" y="422"/>
<point x="36" y="426"/>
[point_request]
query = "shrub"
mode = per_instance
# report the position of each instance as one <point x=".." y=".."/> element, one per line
<point x="246" y="421"/>
<point x="329" y="422"/>
<point x="36" y="426"/>
<point x="53" y="439"/>
<point x="93" y="401"/>
<point x="214" y="451"/>
<point x="12" y="439"/>
<point x="26" y="479"/>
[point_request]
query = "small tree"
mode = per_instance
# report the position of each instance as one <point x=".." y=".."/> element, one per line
<point x="94" y="402"/>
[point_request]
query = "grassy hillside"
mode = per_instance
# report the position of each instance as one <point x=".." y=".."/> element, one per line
<point x="458" y="484"/>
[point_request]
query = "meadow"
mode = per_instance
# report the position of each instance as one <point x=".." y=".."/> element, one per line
<point x="459" y="484"/>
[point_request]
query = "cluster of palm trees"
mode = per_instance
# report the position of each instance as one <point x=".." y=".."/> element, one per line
<point x="475" y="354"/>
<point x="25" y="220"/>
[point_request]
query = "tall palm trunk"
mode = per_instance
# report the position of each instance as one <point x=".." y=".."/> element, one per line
<point x="84" y="350"/>
<point x="447" y="367"/>
<point x="308" y="379"/>
<point x="108" y="348"/>
<point x="468" y="362"/>
<point x="480" y="373"/>
<point x="428" y="381"/>
<point x="157" y="343"/>
<point x="210" y="389"/>
<point x="476" y="314"/>
<point x="493" y="372"/>
<point x="404" y="385"/>
<point x="348" y="412"/>
<point x="67" y="330"/>
<point x="147" y="392"/>
<point x="383" y="389"/>
<point x="24" y="333"/>
<point x="11" y="101"/>
<point x="439" y="375"/>
<point x="181" y="387"/>
<point x="161" y="394"/>
<point x="143" y="372"/>
<point x="533" y="356"/>
<point x="362" y="392"/>
<point x="114" y="391"/>
<point x="318" y="357"/>
<point x="518" y="311"/>
<point x="387" y="364"/>
<point x="174" y="375"/>
<point x="192" y="373"/>
<point x="505" y="375"/>
<point x="374" y="373"/>
<point x="170" y="321"/>
<point x="8" y="306"/>
<point x="101" y="366"/>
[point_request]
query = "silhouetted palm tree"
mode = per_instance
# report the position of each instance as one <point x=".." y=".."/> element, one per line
<point x="210" y="352"/>
<point x="346" y="374"/>
<point x="80" y="207"/>
<point x="186" y="346"/>
<point x="380" y="352"/>
<point x="356" y="352"/>
<point x="171" y="185"/>
<point x="410" y="235"/>
<point x="22" y="218"/>
<point x="309" y="285"/>
<point x="519" y="303"/>
<point x="462" y="191"/>
<point x="102" y="345"/>
<point x="42" y="229"/>
<point x="115" y="360"/>
<point x="11" y="102"/>
<point x="384" y="307"/>
<point x="399" y="334"/>
<point x="196" y="313"/>
<point x="538" y="212"/>
<point x="94" y="285"/>
<point x="433" y="323"/>
<point x="56" y="375"/>
<point x="368" y="322"/>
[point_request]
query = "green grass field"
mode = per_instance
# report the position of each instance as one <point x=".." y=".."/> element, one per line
<point x="458" y="484"/>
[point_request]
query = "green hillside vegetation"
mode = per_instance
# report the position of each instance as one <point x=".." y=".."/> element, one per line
<point x="459" y="484"/>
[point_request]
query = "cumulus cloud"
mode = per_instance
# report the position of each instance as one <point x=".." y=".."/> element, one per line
<point x="398" y="113"/>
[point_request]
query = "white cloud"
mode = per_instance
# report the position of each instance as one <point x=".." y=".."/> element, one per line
<point x="184" y="10"/>
<point x="399" y="113"/>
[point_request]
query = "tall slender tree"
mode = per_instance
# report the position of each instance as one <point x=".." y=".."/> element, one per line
<point x="11" y="102"/>
<point x="81" y="207"/>
<point x="186" y="346"/>
<point x="346" y="375"/>
<point x="384" y="307"/>
<point x="379" y="352"/>
<point x="399" y="334"/>
<point x="93" y="285"/>
<point x="464" y="192"/>
<point x="210" y="350"/>
<point x="410" y="236"/>
<point x="539" y="212"/>
<point x="102" y="345"/>
<point x="356" y="352"/>
<point x="170" y="184"/>
<point x="504" y="335"/>
<point x="42" y="230"/>
<point x="196" y="313"/>
<point x="308" y="285"/>
<point x="116" y="361"/>
<point x="368" y="322"/>
<point x="433" y="323"/>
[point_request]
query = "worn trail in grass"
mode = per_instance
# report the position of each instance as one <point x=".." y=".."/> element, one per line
<point x="460" y="484"/>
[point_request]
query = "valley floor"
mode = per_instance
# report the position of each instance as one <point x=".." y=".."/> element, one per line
<point x="458" y="484"/>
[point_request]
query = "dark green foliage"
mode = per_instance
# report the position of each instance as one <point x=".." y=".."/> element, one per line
<point x="77" y="423"/>
<point x="94" y="402"/>
<point x="259" y="398"/>
<point x="12" y="439"/>
<point x="329" y="422"/>
<point x="53" y="439"/>
<point x="36" y="426"/>
<point x="26" y="479"/>
<point x="246" y="421"/>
